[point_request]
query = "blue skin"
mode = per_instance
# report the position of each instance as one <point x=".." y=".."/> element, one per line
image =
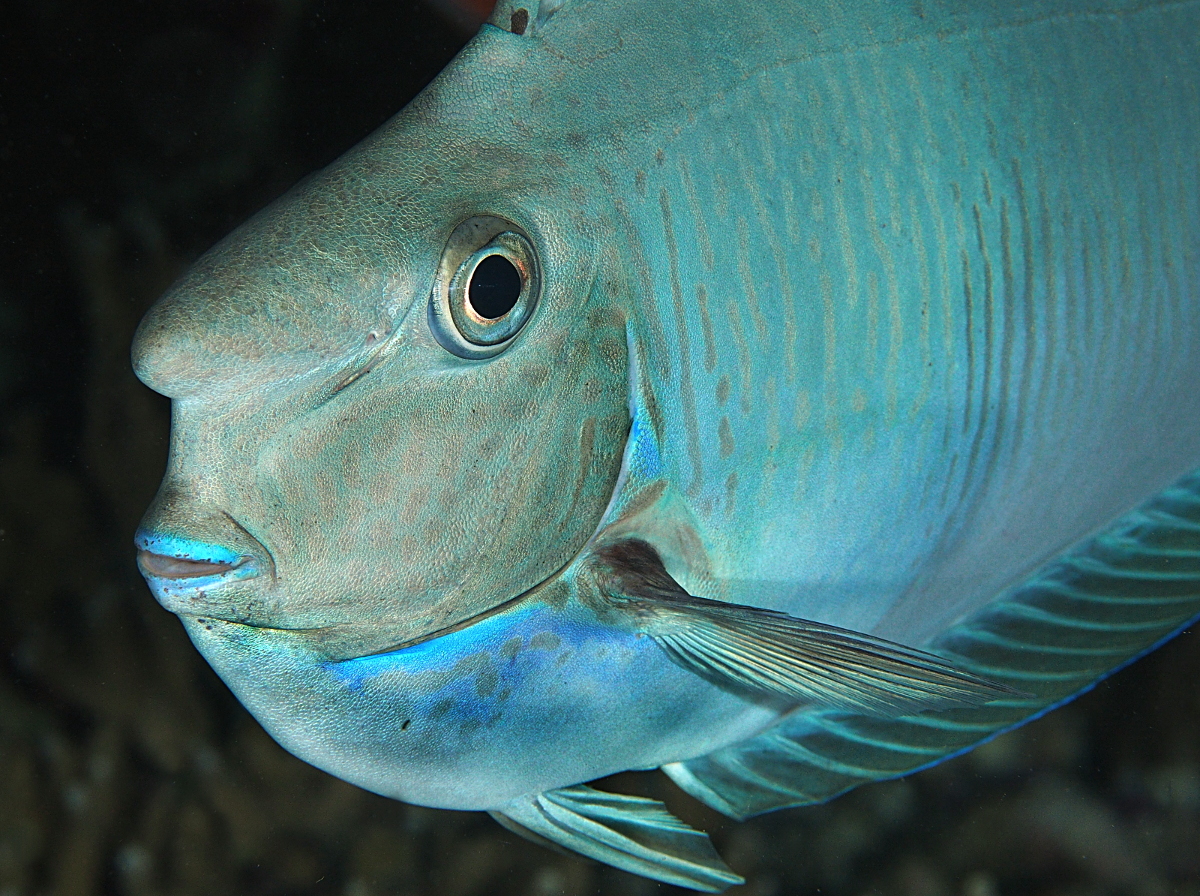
<point x="522" y="700"/>
<point x="184" y="548"/>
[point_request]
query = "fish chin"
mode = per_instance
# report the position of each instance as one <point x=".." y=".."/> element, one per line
<point x="541" y="693"/>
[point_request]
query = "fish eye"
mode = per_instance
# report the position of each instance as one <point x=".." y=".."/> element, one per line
<point x="486" y="289"/>
<point x="494" y="287"/>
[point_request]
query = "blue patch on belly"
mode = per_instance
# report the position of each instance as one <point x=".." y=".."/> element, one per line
<point x="526" y="670"/>
<point x="515" y="643"/>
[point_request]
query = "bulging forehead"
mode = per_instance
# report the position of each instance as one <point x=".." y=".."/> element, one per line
<point x="298" y="286"/>
<point x="345" y="255"/>
<point x="348" y="251"/>
<point x="305" y="284"/>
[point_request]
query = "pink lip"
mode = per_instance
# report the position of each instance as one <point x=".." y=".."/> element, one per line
<point x="165" y="567"/>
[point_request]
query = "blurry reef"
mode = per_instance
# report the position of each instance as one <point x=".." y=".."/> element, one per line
<point x="133" y="135"/>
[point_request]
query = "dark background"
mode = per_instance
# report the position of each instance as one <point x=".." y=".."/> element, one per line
<point x="132" y="136"/>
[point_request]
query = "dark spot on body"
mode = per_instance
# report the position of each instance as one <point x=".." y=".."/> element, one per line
<point x="611" y="354"/>
<point x="544" y="641"/>
<point x="725" y="434"/>
<point x="486" y="681"/>
<point x="404" y="725"/>
<point x="535" y="375"/>
<point x="521" y="411"/>
<point x="519" y="21"/>
<point x="634" y="568"/>
<point x="723" y="390"/>
<point x="510" y="648"/>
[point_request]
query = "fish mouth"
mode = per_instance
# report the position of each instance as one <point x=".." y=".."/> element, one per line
<point x="164" y="567"/>
<point x="180" y="564"/>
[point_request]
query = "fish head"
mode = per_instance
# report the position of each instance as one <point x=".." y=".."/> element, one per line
<point x="399" y="394"/>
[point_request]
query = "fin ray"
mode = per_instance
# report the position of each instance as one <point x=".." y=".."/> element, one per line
<point x="771" y="653"/>
<point x="628" y="832"/>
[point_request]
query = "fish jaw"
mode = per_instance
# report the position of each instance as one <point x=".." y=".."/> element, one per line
<point x="539" y="695"/>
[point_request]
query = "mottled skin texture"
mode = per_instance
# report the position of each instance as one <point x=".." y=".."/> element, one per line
<point x="834" y="306"/>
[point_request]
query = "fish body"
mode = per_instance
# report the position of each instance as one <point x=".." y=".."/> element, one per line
<point x="840" y="337"/>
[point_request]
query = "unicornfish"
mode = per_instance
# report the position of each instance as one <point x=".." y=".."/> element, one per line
<point x="786" y="395"/>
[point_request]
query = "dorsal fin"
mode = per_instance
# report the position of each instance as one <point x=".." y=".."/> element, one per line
<point x="523" y="17"/>
<point x="1083" y="616"/>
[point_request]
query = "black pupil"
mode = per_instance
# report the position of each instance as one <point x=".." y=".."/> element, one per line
<point x="495" y="287"/>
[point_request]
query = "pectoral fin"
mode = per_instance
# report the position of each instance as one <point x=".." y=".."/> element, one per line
<point x="628" y="832"/>
<point x="771" y="653"/>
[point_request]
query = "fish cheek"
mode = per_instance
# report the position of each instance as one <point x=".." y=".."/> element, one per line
<point x="355" y="495"/>
<point x="442" y="493"/>
<point x="527" y="464"/>
<point x="569" y="432"/>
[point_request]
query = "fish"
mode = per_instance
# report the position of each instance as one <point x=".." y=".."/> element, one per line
<point x="784" y="395"/>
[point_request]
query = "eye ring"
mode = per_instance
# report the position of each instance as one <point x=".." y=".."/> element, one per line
<point x="487" y="287"/>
